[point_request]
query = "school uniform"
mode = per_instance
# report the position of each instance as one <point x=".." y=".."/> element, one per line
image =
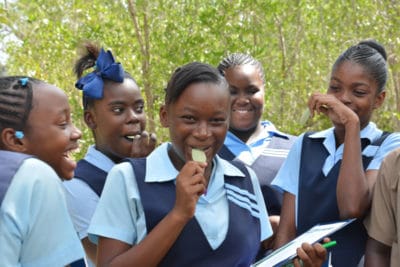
<point x="265" y="155"/>
<point x="35" y="228"/>
<point x="383" y="221"/>
<point x="123" y="212"/>
<point x="83" y="192"/>
<point x="311" y="175"/>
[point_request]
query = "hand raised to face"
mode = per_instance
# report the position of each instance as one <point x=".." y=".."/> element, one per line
<point x="337" y="111"/>
<point x="143" y="144"/>
<point x="190" y="185"/>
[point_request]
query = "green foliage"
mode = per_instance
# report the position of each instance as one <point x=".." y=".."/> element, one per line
<point x="297" y="42"/>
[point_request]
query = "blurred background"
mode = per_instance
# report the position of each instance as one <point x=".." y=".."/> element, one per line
<point x="296" y="41"/>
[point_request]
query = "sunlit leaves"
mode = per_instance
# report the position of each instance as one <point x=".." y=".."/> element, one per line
<point x="297" y="42"/>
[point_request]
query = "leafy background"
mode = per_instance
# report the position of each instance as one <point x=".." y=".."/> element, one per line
<point x="297" y="42"/>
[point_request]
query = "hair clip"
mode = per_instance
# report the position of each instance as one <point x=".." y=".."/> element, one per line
<point x="23" y="81"/>
<point x="19" y="134"/>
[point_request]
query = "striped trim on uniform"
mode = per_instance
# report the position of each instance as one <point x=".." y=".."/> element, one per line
<point x="274" y="152"/>
<point x="243" y="199"/>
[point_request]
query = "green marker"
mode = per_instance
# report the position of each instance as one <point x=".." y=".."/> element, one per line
<point x="325" y="245"/>
<point x="329" y="244"/>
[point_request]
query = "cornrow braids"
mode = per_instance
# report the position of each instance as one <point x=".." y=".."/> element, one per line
<point x="371" y="55"/>
<point x="240" y="59"/>
<point x="15" y="101"/>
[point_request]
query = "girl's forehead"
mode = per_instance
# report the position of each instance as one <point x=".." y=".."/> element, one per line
<point x="127" y="88"/>
<point x="200" y="94"/>
<point x="49" y="96"/>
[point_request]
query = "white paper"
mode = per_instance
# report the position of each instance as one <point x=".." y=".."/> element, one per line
<point x="288" y="251"/>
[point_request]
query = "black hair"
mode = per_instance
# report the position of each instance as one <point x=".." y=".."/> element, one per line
<point x="371" y="55"/>
<point x="239" y="59"/>
<point x="15" y="101"/>
<point x="195" y="72"/>
<point x="88" y="60"/>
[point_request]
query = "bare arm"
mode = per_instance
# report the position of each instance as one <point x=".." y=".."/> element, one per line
<point x="149" y="252"/>
<point x="353" y="185"/>
<point x="353" y="188"/>
<point x="269" y="243"/>
<point x="287" y="227"/>
<point x="90" y="249"/>
<point x="311" y="255"/>
<point x="377" y="254"/>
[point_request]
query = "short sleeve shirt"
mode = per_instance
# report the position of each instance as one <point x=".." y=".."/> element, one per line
<point x="288" y="176"/>
<point x="35" y="227"/>
<point x="119" y="214"/>
<point x="383" y="222"/>
<point x="81" y="199"/>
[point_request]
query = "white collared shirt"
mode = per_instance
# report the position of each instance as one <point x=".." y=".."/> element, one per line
<point x="120" y="215"/>
<point x="81" y="199"/>
<point x="287" y="178"/>
<point x="35" y="227"/>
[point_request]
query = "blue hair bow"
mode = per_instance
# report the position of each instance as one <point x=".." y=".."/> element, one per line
<point x="92" y="84"/>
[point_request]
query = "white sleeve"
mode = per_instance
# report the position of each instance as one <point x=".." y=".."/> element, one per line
<point x="266" y="229"/>
<point x="287" y="178"/>
<point x="81" y="203"/>
<point x="391" y="142"/>
<point x="34" y="220"/>
<point x="117" y="215"/>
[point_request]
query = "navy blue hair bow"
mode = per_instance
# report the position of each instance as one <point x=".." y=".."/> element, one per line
<point x="92" y="84"/>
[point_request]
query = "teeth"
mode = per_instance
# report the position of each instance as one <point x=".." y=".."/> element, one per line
<point x="132" y="137"/>
<point x="241" y="110"/>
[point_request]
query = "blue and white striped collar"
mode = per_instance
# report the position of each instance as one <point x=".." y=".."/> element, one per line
<point x="269" y="130"/>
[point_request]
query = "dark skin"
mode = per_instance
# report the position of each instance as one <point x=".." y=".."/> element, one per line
<point x="247" y="97"/>
<point x="349" y="103"/>
<point x="195" y="120"/>
<point x="199" y="121"/>
<point x="49" y="133"/>
<point x="377" y="254"/>
<point x="118" y="122"/>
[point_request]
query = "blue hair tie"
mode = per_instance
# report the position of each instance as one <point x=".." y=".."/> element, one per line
<point x="23" y="81"/>
<point x="106" y="68"/>
<point x="19" y="134"/>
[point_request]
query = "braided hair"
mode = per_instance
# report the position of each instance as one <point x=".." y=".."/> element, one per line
<point x="371" y="56"/>
<point x="15" y="101"/>
<point x="90" y="53"/>
<point x="239" y="59"/>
